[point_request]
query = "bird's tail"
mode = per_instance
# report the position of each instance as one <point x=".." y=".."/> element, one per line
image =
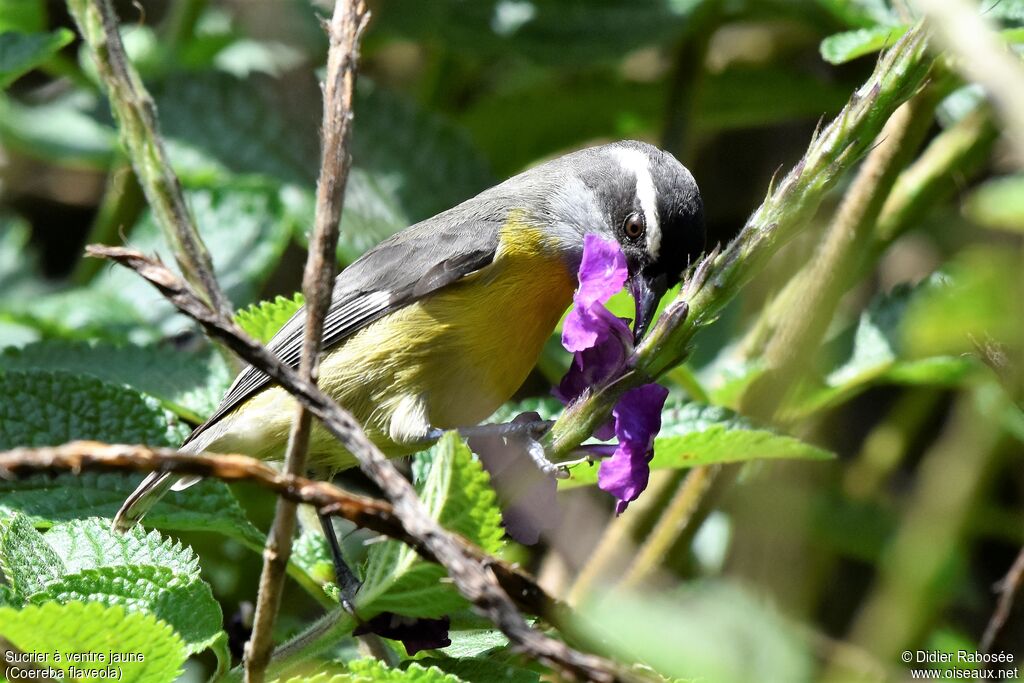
<point x="146" y="495"/>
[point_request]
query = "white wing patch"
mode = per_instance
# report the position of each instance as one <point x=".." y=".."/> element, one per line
<point x="636" y="161"/>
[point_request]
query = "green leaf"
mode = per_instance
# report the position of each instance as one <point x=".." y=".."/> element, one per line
<point x="43" y="408"/>
<point x="183" y="602"/>
<point x="79" y="313"/>
<point x="874" y="351"/>
<point x="312" y="555"/>
<point x="206" y="506"/>
<point x="843" y="47"/>
<point x="96" y="629"/>
<point x="263" y="319"/>
<point x="218" y="127"/>
<point x="974" y="299"/>
<point x="862" y="13"/>
<point x="63" y="131"/>
<point x="695" y="434"/>
<point x="22" y="52"/>
<point x="246" y="230"/>
<point x="480" y="670"/>
<point x="999" y="204"/>
<point x="189" y="382"/>
<point x="376" y="671"/>
<point x="25" y="16"/>
<point x="18" y="261"/>
<point x="695" y="634"/>
<point x="28" y="563"/>
<point x="91" y="544"/>
<point x="456" y="491"/>
<point x="547" y="31"/>
<point x="408" y="164"/>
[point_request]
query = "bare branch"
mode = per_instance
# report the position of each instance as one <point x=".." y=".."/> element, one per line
<point x="344" y="31"/>
<point x="368" y="513"/>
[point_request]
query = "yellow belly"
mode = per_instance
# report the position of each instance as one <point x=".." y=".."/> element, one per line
<point x="464" y="351"/>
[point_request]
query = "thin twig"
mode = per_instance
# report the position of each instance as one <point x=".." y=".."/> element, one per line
<point x="1007" y="588"/>
<point x="140" y="132"/>
<point x="473" y="578"/>
<point x="344" y="32"/>
<point x="368" y="513"/>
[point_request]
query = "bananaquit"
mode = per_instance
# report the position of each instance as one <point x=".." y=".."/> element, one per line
<point x="438" y="325"/>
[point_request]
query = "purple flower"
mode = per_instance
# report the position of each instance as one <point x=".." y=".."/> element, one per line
<point x="637" y="421"/>
<point x="601" y="344"/>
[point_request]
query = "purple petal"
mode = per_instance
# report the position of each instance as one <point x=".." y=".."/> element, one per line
<point x="592" y="366"/>
<point x="602" y="271"/>
<point x="637" y="421"/>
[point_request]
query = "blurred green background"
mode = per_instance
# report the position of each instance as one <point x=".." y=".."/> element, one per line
<point x="801" y="570"/>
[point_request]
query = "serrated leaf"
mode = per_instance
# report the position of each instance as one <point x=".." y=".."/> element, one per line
<point x="481" y="670"/>
<point x="840" y="48"/>
<point x="375" y="671"/>
<point x="43" y="408"/>
<point x="181" y="600"/>
<point x="78" y="627"/>
<point x="263" y="319"/>
<point x="22" y="52"/>
<point x="27" y="562"/>
<point x="456" y="492"/>
<point x="188" y="381"/>
<point x="999" y="204"/>
<point x="206" y="506"/>
<point x="91" y="544"/>
<point x="246" y="229"/>
<point x="694" y="434"/>
<point x="473" y="643"/>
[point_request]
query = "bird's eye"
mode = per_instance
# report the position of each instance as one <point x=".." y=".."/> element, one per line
<point x="634" y="226"/>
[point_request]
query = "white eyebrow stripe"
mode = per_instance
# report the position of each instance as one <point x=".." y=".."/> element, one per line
<point x="637" y="162"/>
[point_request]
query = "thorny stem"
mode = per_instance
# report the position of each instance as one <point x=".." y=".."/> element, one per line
<point x="140" y="132"/>
<point x="794" y="324"/>
<point x="344" y="32"/>
<point x="789" y="206"/>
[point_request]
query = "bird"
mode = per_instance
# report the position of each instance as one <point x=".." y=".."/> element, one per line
<point x="439" y="325"/>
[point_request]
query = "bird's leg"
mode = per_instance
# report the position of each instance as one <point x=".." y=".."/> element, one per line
<point x="348" y="584"/>
<point x="530" y="428"/>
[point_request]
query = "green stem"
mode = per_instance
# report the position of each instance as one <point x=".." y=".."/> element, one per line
<point x="140" y="133"/>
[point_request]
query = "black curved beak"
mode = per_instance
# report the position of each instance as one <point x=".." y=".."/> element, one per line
<point x="647" y="291"/>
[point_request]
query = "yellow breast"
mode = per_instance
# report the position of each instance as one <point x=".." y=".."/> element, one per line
<point x="462" y="352"/>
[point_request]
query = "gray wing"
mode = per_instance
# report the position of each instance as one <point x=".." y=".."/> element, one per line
<point x="400" y="270"/>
